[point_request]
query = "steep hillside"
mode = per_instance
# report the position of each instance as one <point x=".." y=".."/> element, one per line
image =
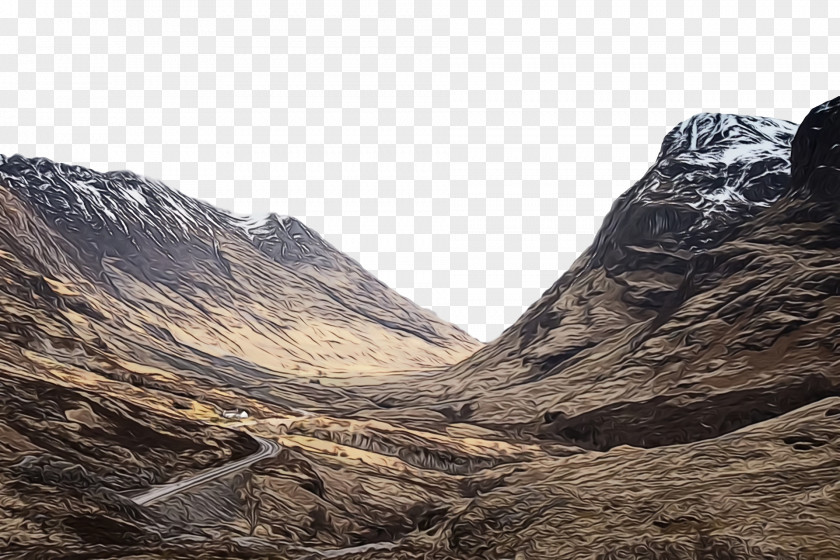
<point x="689" y="317"/>
<point x="710" y="406"/>
<point x="270" y="293"/>
<point x="133" y="316"/>
<point x="714" y="172"/>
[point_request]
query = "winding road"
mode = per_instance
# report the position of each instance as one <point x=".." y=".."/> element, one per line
<point x="268" y="448"/>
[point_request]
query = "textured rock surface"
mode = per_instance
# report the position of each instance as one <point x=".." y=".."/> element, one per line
<point x="675" y="395"/>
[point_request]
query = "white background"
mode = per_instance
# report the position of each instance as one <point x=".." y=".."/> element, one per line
<point x="465" y="152"/>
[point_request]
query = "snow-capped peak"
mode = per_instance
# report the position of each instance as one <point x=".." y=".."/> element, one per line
<point x="114" y="202"/>
<point x="119" y="212"/>
<point x="724" y="166"/>
<point x="713" y="171"/>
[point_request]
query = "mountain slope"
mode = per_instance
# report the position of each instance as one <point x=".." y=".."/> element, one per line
<point x="765" y="492"/>
<point x="133" y="316"/>
<point x="711" y="412"/>
<point x="714" y="172"/>
<point x="662" y="338"/>
<point x="270" y="293"/>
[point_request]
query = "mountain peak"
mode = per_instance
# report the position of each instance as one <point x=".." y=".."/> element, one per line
<point x="714" y="170"/>
<point x="112" y="202"/>
<point x="287" y="240"/>
<point x="134" y="236"/>
<point x="273" y="222"/>
<point x="723" y="133"/>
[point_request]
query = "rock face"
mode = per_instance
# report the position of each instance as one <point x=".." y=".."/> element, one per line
<point x="675" y="395"/>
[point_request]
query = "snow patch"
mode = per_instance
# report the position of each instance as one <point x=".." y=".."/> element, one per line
<point x="137" y="197"/>
<point x="719" y="165"/>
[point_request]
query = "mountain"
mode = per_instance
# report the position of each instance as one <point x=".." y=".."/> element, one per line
<point x="631" y="338"/>
<point x="133" y="317"/>
<point x="177" y="382"/>
<point x="134" y="268"/>
<point x="691" y="350"/>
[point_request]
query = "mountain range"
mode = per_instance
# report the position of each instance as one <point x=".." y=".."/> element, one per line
<point x="178" y="382"/>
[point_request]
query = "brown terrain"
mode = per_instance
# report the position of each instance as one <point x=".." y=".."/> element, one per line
<point x="675" y="395"/>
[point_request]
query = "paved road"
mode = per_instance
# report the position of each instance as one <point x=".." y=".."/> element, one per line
<point x="339" y="552"/>
<point x="268" y="448"/>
